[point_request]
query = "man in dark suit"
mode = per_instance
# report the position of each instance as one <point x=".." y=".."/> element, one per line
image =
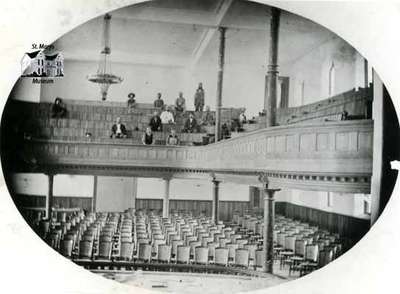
<point x="118" y="129"/>
<point x="155" y="123"/>
<point x="191" y="124"/>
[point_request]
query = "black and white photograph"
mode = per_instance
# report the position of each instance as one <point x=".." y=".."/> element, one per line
<point x="199" y="146"/>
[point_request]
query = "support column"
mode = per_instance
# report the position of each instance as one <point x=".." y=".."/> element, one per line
<point x="215" y="202"/>
<point x="377" y="116"/>
<point x="271" y="96"/>
<point x="94" y="197"/>
<point x="166" y="198"/>
<point x="50" y="200"/>
<point x="221" y="62"/>
<point x="366" y="78"/>
<point x="269" y="222"/>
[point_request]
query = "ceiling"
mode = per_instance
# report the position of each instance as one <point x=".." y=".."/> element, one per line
<point x="183" y="33"/>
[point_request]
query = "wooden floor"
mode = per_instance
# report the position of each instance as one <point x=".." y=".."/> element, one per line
<point x="193" y="283"/>
<point x="197" y="283"/>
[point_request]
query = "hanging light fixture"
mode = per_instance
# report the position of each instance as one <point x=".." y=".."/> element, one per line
<point x="104" y="77"/>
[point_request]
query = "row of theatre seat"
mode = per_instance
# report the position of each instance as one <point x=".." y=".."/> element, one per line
<point x="298" y="246"/>
<point x="184" y="239"/>
<point x="98" y="119"/>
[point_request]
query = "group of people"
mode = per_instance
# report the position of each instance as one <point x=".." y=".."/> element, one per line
<point x="118" y="129"/>
<point x="148" y="138"/>
<point x="180" y="102"/>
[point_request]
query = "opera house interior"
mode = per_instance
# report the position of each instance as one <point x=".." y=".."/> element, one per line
<point x="225" y="139"/>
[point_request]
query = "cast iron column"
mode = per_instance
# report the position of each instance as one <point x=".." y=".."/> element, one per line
<point x="166" y="198"/>
<point x="271" y="96"/>
<point x="215" y="204"/>
<point x="221" y="61"/>
<point x="269" y="222"/>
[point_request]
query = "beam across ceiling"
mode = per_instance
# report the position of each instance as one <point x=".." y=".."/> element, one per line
<point x="209" y="33"/>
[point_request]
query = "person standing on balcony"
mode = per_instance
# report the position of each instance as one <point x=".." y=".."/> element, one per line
<point x="199" y="98"/>
<point x="148" y="138"/>
<point x="58" y="110"/>
<point x="118" y="129"/>
<point x="172" y="139"/>
<point x="167" y="117"/>
<point x="158" y="103"/>
<point x="131" y="102"/>
<point x="155" y="123"/>
<point x="180" y="103"/>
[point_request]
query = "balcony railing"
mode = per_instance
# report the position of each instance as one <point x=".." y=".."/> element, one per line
<point x="338" y="154"/>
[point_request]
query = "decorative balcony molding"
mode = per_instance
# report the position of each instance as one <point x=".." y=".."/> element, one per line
<point x="336" y="155"/>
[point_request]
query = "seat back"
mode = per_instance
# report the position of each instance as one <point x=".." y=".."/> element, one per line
<point x="105" y="249"/>
<point x="164" y="253"/>
<point x="85" y="249"/>
<point x="201" y="255"/>
<point x="325" y="257"/>
<point x="221" y="256"/>
<point x="312" y="252"/>
<point x="260" y="258"/>
<point x="281" y="239"/>
<point x="126" y="250"/>
<point x="183" y="254"/>
<point x="66" y="247"/>
<point x="144" y="252"/>
<point x="300" y="247"/>
<point x="242" y="257"/>
<point x="290" y="243"/>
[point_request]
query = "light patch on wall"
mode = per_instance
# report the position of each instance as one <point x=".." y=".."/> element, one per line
<point x="30" y="184"/>
<point x="190" y="189"/>
<point x="150" y="188"/>
<point x="73" y="186"/>
<point x="234" y="192"/>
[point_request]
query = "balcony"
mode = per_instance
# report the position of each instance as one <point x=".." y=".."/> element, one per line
<point x="333" y="156"/>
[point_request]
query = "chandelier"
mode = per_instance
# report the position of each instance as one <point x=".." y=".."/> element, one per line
<point x="104" y="77"/>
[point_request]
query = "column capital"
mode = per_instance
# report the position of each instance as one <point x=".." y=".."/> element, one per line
<point x="222" y="29"/>
<point x="263" y="178"/>
<point x="269" y="194"/>
<point x="215" y="181"/>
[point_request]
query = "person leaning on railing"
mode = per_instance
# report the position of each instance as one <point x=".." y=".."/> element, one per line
<point x="172" y="139"/>
<point x="148" y="138"/>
